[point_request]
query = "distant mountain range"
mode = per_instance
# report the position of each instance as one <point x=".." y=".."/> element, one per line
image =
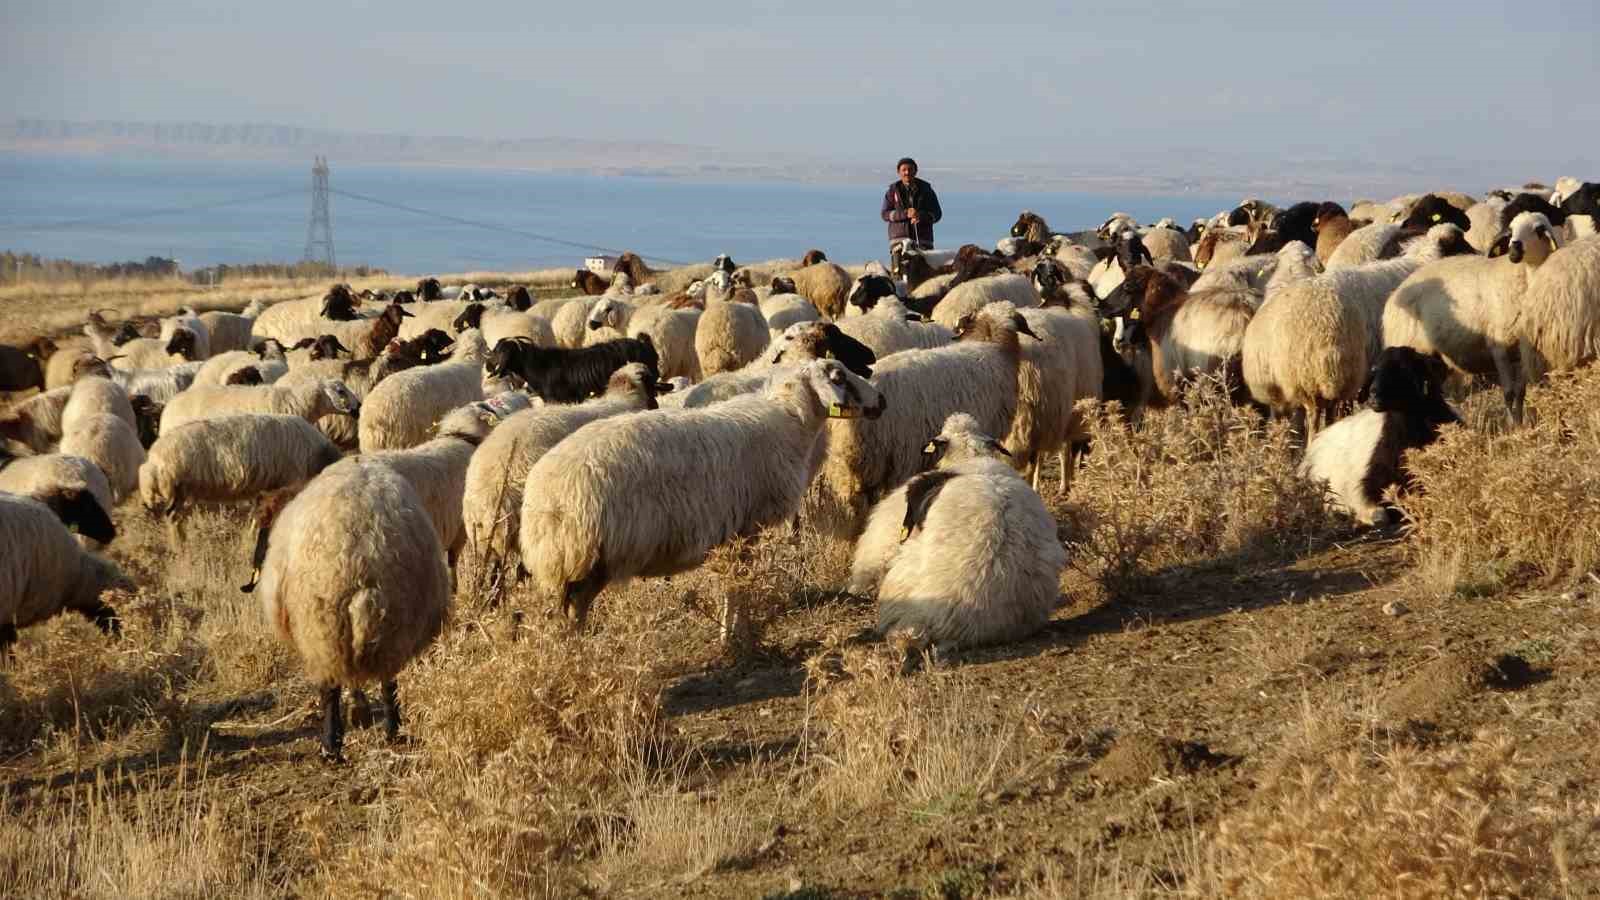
<point x="1151" y="172"/>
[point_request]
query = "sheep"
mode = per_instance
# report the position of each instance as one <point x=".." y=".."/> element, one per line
<point x="1296" y="262"/>
<point x="269" y="361"/>
<point x="969" y="297"/>
<point x="976" y="375"/>
<point x="160" y="385"/>
<point x="36" y="421"/>
<point x="19" y="370"/>
<point x="784" y="309"/>
<point x="1465" y="308"/>
<point x="1031" y="226"/>
<point x="889" y="327"/>
<point x="729" y="334"/>
<point x="568" y="376"/>
<point x="59" y="362"/>
<point x="309" y="400"/>
<point x="94" y="395"/>
<point x="45" y="572"/>
<point x="1249" y="273"/>
<point x="353" y="576"/>
<point x="377" y="334"/>
<point x="1128" y="250"/>
<point x="1359" y="457"/>
<point x="72" y="486"/>
<point x="590" y="283"/>
<point x="797" y="345"/>
<point x="402" y="410"/>
<point x="671" y="332"/>
<point x="1310" y="348"/>
<point x="825" y="284"/>
<point x="1059" y="370"/>
<point x="569" y="325"/>
<point x="1430" y="210"/>
<point x="195" y="343"/>
<point x="961" y="556"/>
<point x="1332" y="226"/>
<point x="1560" y="321"/>
<point x="652" y="493"/>
<point x="1167" y="244"/>
<point x="231" y="458"/>
<point x="112" y="444"/>
<point x="139" y="353"/>
<point x="437" y="469"/>
<point x="1177" y="334"/>
<point x="231" y="331"/>
<point x="498" y="323"/>
<point x="1582" y="208"/>
<point x="1220" y="245"/>
<point x="492" y="502"/>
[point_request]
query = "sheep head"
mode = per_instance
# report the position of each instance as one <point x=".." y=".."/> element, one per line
<point x="813" y="257"/>
<point x="958" y="441"/>
<point x="869" y="289"/>
<point x="831" y="390"/>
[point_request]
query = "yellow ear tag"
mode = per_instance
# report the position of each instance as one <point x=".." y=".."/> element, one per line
<point x="835" y="411"/>
<point x="904" y="533"/>
<point x="1134" y="315"/>
<point x="1436" y="217"/>
<point x="930" y="448"/>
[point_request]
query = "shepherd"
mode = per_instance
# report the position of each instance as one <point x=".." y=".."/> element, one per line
<point x="910" y="207"/>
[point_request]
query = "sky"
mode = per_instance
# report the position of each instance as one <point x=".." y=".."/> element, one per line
<point x="963" y="82"/>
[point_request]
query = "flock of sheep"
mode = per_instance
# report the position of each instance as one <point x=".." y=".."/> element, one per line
<point x="579" y="442"/>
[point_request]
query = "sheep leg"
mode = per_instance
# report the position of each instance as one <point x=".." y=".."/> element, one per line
<point x="8" y="636"/>
<point x="332" y="726"/>
<point x="1507" y="364"/>
<point x="391" y="712"/>
<point x="104" y="618"/>
<point x="360" y="709"/>
<point x="581" y="593"/>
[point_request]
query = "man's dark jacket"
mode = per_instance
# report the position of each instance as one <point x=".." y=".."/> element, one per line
<point x="919" y="195"/>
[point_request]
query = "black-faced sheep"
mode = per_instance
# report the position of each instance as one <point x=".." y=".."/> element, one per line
<point x="45" y="572"/>
<point x="1172" y="334"/>
<point x="1361" y="456"/>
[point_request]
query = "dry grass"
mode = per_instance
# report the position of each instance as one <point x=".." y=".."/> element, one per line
<point x="1400" y="822"/>
<point x="1495" y="511"/>
<point x="1189" y="485"/>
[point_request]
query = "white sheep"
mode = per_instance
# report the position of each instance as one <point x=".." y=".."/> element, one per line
<point x="492" y="506"/>
<point x="1058" y="370"/>
<point x="672" y="332"/>
<point x="271" y="362"/>
<point x="187" y="318"/>
<point x="825" y="285"/>
<point x="353" y="576"/>
<point x="93" y="395"/>
<point x="111" y="444"/>
<point x="1466" y="308"/>
<point x="1166" y="243"/>
<point x="402" y="410"/>
<point x="961" y="556"/>
<point x="308" y="400"/>
<point x="1561" y="311"/>
<point x="569" y="325"/>
<point x="44" y="572"/>
<point x="1311" y="347"/>
<point x="889" y="328"/>
<point x="970" y="296"/>
<point x="783" y="310"/>
<point x="1364" y="245"/>
<point x="231" y="458"/>
<point x="159" y="385"/>
<point x="72" y="486"/>
<point x="232" y="331"/>
<point x="975" y="375"/>
<point x="797" y="345"/>
<point x="730" y="334"/>
<point x="652" y="493"/>
<point x="1296" y="262"/>
<point x="1487" y="223"/>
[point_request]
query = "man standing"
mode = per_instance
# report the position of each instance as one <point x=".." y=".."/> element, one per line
<point x="911" y="207"/>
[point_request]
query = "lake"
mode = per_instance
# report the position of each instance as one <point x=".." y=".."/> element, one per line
<point x="437" y="219"/>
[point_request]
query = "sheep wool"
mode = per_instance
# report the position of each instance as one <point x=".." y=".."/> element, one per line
<point x="45" y="572"/>
<point x="231" y="458"/>
<point x="977" y="562"/>
<point x="93" y="396"/>
<point x="825" y="285"/>
<point x="113" y="446"/>
<point x="72" y="486"/>
<point x="970" y="296"/>
<point x="652" y="493"/>
<point x="729" y="336"/>
<point x="1561" y="311"/>
<point x="309" y="400"/>
<point x="403" y="410"/>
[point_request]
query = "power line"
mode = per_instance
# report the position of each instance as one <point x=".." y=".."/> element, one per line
<point x="148" y="213"/>
<point x="501" y="228"/>
<point x="319" y="233"/>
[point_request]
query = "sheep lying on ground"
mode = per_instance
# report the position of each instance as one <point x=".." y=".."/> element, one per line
<point x="231" y="458"/>
<point x="491" y="507"/>
<point x="44" y="572"/>
<point x="353" y="576"/>
<point x="652" y="493"/>
<point x="73" y="487"/>
<point x="1467" y="308"/>
<point x="963" y="555"/>
<point x="1360" y="456"/>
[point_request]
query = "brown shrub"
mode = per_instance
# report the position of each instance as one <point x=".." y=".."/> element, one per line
<point x="1491" y="511"/>
<point x="1188" y="484"/>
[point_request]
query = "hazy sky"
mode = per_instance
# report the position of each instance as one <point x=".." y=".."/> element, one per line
<point x="960" y="81"/>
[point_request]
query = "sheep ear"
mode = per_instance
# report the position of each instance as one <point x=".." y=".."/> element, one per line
<point x="1550" y="238"/>
<point x="1501" y="246"/>
<point x="920" y="494"/>
<point x="995" y="446"/>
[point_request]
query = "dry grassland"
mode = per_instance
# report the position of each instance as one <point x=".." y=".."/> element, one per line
<point x="1240" y="696"/>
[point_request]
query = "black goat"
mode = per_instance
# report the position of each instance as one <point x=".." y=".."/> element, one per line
<point x="561" y="375"/>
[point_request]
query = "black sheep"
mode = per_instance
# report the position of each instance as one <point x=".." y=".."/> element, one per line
<point x="561" y="375"/>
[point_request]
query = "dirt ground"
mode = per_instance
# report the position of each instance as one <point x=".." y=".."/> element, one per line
<point x="1317" y="719"/>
